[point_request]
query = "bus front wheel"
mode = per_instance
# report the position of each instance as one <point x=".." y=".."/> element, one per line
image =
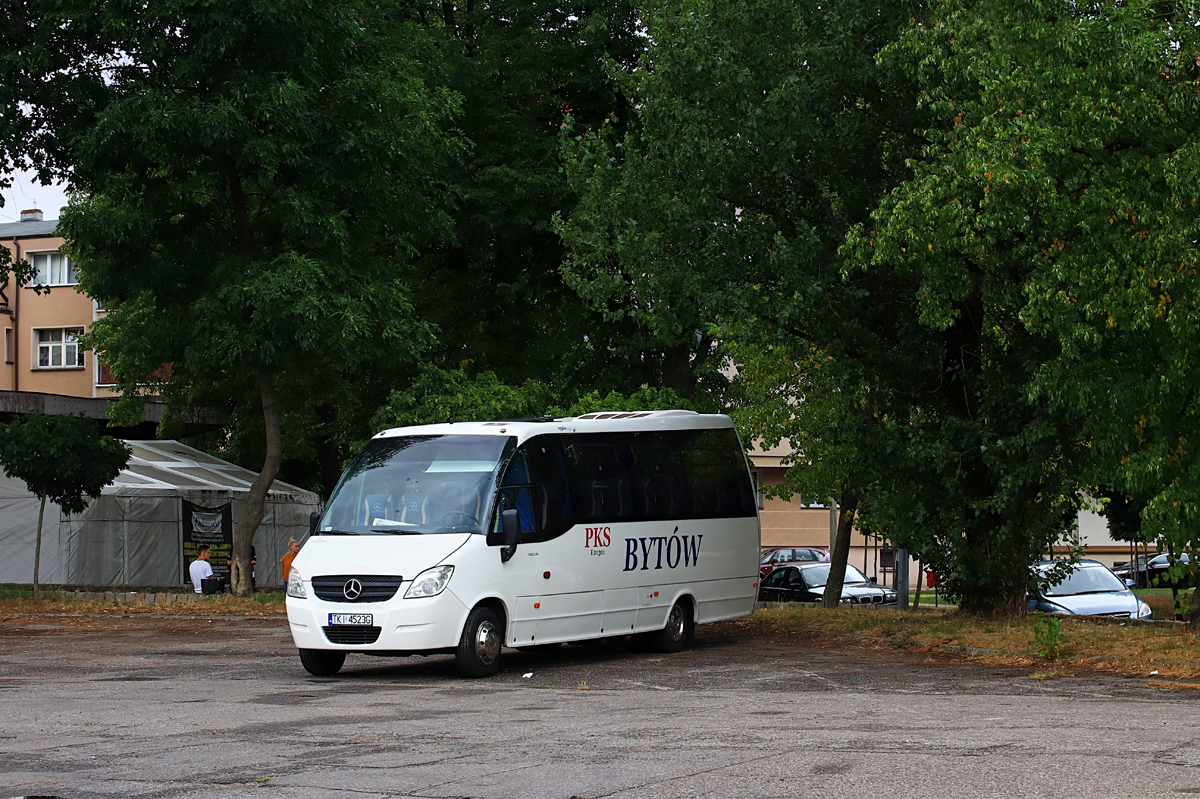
<point x="678" y="632"/>
<point x="478" y="650"/>
<point x="322" y="662"/>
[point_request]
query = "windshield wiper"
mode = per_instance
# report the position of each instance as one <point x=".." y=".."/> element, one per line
<point x="1082" y="593"/>
<point x="336" y="532"/>
<point x="395" y="531"/>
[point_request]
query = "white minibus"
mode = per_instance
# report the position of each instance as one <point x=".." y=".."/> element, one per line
<point x="462" y="538"/>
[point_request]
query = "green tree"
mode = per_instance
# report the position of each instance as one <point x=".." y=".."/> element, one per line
<point x="1048" y="233"/>
<point x="252" y="181"/>
<point x="763" y="131"/>
<point x="63" y="459"/>
<point x="523" y="68"/>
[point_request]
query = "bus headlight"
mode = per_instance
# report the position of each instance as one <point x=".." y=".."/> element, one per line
<point x="430" y="582"/>
<point x="295" y="586"/>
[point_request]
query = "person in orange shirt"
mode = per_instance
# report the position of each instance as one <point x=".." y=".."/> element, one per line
<point x="289" y="556"/>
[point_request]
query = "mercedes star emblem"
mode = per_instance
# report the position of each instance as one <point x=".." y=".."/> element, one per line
<point x="352" y="589"/>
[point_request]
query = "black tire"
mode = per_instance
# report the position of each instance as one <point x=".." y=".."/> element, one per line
<point x="322" y="662"/>
<point x="677" y="633"/>
<point x="478" y="650"/>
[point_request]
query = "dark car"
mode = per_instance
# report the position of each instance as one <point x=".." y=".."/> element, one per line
<point x="1149" y="571"/>
<point x="805" y="582"/>
<point x="1088" y="589"/>
<point x="773" y="558"/>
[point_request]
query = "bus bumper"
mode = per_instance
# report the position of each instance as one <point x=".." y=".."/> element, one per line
<point x="404" y="625"/>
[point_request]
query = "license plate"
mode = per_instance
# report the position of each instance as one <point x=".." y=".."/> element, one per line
<point x="349" y="618"/>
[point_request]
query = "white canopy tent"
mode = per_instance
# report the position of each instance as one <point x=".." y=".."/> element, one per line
<point x="133" y="533"/>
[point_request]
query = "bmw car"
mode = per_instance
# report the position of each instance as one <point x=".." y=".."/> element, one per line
<point x="805" y="582"/>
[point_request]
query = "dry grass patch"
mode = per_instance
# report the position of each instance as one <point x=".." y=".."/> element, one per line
<point x="1129" y="649"/>
<point x="218" y="605"/>
<point x="1174" y="686"/>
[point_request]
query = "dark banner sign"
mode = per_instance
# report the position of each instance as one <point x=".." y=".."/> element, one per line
<point x="212" y="526"/>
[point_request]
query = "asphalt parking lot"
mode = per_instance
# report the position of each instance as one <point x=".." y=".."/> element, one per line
<point x="158" y="707"/>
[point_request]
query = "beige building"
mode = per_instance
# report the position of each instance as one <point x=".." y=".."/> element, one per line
<point x="41" y="331"/>
<point x="809" y="522"/>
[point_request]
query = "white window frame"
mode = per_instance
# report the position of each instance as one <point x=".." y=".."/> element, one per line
<point x="63" y="345"/>
<point x="69" y="276"/>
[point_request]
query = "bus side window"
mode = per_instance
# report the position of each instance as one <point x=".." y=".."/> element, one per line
<point x="515" y="493"/>
<point x="553" y="509"/>
<point x="716" y="474"/>
<point x="600" y="483"/>
<point x="659" y="488"/>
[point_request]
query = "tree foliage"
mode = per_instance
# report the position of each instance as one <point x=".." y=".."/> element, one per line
<point x="952" y="211"/>
<point x="1048" y="232"/>
<point x="252" y="180"/>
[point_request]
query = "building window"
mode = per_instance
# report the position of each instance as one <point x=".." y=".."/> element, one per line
<point x="8" y="345"/>
<point x="104" y="375"/>
<point x="58" y="348"/>
<point x="53" y="269"/>
<point x="758" y="495"/>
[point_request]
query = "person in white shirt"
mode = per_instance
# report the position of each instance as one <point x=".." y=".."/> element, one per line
<point x="200" y="569"/>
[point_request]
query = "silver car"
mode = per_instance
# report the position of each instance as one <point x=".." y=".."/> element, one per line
<point x="1089" y="589"/>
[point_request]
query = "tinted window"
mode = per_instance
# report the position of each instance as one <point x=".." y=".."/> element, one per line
<point x="778" y="578"/>
<point x="679" y="474"/>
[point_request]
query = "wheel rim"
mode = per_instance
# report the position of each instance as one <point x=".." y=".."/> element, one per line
<point x="675" y="623"/>
<point x="487" y="643"/>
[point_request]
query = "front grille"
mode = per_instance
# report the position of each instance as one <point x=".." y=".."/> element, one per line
<point x="876" y="599"/>
<point x="375" y="587"/>
<point x="352" y="634"/>
<point x="1121" y="615"/>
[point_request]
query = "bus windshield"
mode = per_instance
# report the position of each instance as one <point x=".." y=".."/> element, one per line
<point x="417" y="485"/>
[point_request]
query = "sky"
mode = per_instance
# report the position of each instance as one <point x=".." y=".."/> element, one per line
<point x="25" y="193"/>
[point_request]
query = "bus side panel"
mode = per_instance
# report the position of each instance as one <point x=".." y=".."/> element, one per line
<point x="582" y="585"/>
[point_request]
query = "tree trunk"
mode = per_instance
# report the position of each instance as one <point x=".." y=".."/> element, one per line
<point x="253" y="507"/>
<point x="37" y="552"/>
<point x="920" y="582"/>
<point x="841" y="550"/>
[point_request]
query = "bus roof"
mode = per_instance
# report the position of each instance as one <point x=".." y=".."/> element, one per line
<point x="601" y="421"/>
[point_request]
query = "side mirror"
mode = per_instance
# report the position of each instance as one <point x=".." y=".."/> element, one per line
<point x="1130" y="583"/>
<point x="314" y="519"/>
<point x="510" y="524"/>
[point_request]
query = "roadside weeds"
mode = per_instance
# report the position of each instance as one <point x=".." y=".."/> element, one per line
<point x="1132" y="649"/>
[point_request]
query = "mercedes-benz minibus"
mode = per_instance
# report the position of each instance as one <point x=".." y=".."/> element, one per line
<point x="464" y="538"/>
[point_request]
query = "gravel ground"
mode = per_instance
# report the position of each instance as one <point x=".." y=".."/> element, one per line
<point x="196" y="707"/>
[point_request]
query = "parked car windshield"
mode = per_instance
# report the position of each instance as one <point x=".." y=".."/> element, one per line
<point x="1086" y="580"/>
<point x="417" y="485"/>
<point x="817" y="576"/>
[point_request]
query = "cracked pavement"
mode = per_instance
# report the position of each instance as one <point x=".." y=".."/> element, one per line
<point x="197" y="708"/>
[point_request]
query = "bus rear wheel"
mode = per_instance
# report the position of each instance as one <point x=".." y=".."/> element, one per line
<point x="478" y="650"/>
<point x="678" y="631"/>
<point x="322" y="662"/>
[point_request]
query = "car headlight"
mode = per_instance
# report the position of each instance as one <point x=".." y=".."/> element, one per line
<point x="430" y="582"/>
<point x="849" y="600"/>
<point x="1144" y="611"/>
<point x="1053" y="609"/>
<point x="295" y="586"/>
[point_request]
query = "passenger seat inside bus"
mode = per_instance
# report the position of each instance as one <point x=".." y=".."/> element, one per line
<point x="412" y="508"/>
